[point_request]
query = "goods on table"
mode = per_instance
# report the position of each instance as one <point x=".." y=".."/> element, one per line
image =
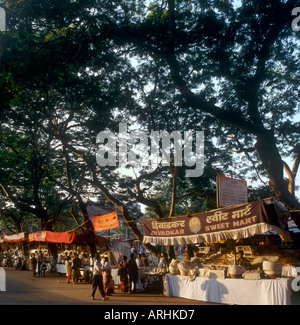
<point x="252" y="275"/>
<point x="273" y="264"/>
<point x="193" y="273"/>
<point x="184" y="267"/>
<point x="173" y="267"/>
<point x="158" y="270"/>
<point x="261" y="259"/>
<point x="273" y="270"/>
<point x="213" y="271"/>
<point x="236" y="271"/>
<point x="197" y="261"/>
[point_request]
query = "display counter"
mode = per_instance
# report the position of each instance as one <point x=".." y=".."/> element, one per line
<point x="230" y="291"/>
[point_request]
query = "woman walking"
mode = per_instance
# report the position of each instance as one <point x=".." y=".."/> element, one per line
<point x="68" y="269"/>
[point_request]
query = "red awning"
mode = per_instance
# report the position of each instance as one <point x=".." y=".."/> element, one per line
<point x="56" y="237"/>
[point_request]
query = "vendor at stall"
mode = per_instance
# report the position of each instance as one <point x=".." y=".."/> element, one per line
<point x="241" y="260"/>
<point x="146" y="262"/>
<point x="140" y="262"/>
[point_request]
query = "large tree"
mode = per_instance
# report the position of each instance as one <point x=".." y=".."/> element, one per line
<point x="236" y="63"/>
<point x="229" y="70"/>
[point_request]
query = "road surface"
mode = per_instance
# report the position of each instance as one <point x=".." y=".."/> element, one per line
<point x="23" y="289"/>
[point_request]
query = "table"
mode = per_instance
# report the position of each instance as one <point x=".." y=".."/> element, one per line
<point x="60" y="268"/>
<point x="155" y="283"/>
<point x="116" y="278"/>
<point x="230" y="291"/>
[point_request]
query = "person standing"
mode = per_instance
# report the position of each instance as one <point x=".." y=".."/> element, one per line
<point x="39" y="262"/>
<point x="146" y="262"/>
<point x="97" y="279"/>
<point x="76" y="264"/>
<point x="43" y="267"/>
<point x="133" y="274"/>
<point x="140" y="262"/>
<point x="106" y="273"/>
<point x="68" y="269"/>
<point x="33" y="264"/>
<point x="123" y="273"/>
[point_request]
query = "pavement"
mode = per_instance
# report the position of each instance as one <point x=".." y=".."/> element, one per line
<point x="23" y="289"/>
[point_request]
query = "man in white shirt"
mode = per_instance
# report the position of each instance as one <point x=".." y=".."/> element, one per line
<point x="97" y="279"/>
<point x="140" y="262"/>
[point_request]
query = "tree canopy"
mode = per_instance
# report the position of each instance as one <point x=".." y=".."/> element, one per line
<point x="71" y="69"/>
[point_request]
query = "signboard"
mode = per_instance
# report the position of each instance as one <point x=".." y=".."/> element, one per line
<point x="107" y="221"/>
<point x="228" y="223"/>
<point x="231" y="191"/>
<point x="37" y="236"/>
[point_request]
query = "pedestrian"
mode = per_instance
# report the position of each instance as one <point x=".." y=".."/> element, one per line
<point x="133" y="274"/>
<point x="76" y="264"/>
<point x="33" y="264"/>
<point x="140" y="262"/>
<point x="106" y="273"/>
<point x="123" y="273"/>
<point x="86" y="268"/>
<point x="39" y="262"/>
<point x="68" y="268"/>
<point x="144" y="258"/>
<point x="43" y="267"/>
<point x="97" y="279"/>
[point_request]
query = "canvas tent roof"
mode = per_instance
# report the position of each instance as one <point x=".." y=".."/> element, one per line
<point x="56" y="237"/>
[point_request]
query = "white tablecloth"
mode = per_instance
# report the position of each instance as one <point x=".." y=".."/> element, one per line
<point x="231" y="291"/>
<point x="116" y="278"/>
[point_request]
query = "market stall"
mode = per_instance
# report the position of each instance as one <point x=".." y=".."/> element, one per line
<point x="71" y="240"/>
<point x="215" y="276"/>
<point x="230" y="291"/>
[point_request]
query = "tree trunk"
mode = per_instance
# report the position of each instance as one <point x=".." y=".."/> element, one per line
<point x="272" y="163"/>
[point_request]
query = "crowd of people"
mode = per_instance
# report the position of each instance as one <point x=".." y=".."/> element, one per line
<point x="96" y="270"/>
<point x="128" y="270"/>
<point x="13" y="258"/>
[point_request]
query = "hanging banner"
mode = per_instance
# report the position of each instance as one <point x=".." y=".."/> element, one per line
<point x="231" y="191"/>
<point x="228" y="223"/>
<point x="107" y="221"/>
<point x="15" y="238"/>
<point x="38" y="236"/>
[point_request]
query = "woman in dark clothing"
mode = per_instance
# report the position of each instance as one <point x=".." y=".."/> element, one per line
<point x="133" y="274"/>
<point x="122" y="272"/>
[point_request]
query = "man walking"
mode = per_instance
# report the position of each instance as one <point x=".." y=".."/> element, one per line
<point x="97" y="279"/>
<point x="133" y="274"/>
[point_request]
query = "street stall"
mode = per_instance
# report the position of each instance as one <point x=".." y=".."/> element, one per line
<point x="70" y="241"/>
<point x="15" y="246"/>
<point x="218" y="276"/>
